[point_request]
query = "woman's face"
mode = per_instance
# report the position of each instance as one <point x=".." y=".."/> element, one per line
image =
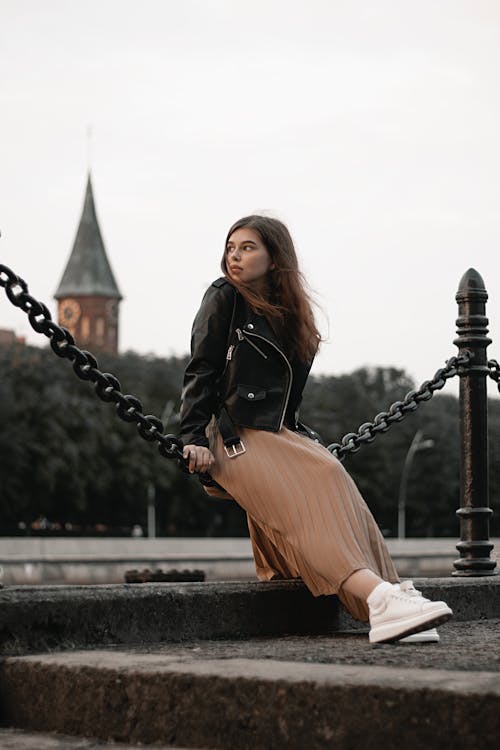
<point x="247" y="258"/>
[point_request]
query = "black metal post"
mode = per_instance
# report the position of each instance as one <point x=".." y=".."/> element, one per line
<point x="474" y="511"/>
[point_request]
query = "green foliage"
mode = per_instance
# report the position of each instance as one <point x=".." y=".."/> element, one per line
<point x="65" y="455"/>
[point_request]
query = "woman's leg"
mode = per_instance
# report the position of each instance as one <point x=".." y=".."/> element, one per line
<point x="361" y="583"/>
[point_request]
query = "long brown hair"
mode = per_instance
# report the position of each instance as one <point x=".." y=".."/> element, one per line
<point x="287" y="304"/>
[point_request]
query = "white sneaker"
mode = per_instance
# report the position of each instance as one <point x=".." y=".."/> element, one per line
<point x="405" y="611"/>
<point x="425" y="636"/>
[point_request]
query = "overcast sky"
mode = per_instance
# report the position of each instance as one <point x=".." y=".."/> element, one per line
<point x="370" y="128"/>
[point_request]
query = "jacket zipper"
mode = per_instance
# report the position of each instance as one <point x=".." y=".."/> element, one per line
<point x="245" y="335"/>
<point x="242" y="337"/>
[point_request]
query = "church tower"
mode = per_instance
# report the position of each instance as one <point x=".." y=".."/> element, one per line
<point x="88" y="296"/>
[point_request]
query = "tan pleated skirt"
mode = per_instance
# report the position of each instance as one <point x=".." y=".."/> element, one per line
<point x="305" y="514"/>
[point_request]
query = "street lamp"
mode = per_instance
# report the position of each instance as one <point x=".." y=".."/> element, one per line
<point x="168" y="417"/>
<point x="417" y="444"/>
<point x="151" y="494"/>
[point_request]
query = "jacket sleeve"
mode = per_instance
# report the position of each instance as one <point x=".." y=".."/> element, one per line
<point x="209" y="337"/>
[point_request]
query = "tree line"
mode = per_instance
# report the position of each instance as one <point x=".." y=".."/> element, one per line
<point x="69" y="465"/>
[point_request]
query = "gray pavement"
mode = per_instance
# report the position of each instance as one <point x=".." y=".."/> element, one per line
<point x="464" y="646"/>
<point x="472" y="646"/>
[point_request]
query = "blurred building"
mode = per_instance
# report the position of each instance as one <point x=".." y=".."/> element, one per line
<point x="88" y="296"/>
<point x="8" y="337"/>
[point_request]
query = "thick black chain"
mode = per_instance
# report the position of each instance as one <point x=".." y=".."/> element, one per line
<point x="107" y="387"/>
<point x="367" y="432"/>
<point x="494" y="373"/>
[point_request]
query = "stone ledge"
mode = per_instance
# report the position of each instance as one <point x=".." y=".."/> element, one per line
<point x="56" y="617"/>
<point x="238" y="704"/>
<point x="69" y="561"/>
<point x="19" y="739"/>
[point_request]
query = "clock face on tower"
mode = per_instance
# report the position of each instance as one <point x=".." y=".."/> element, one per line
<point x="70" y="310"/>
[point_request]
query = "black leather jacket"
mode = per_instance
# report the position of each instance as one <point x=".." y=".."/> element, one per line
<point x="237" y="362"/>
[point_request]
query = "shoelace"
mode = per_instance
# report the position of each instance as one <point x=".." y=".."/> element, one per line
<point x="409" y="589"/>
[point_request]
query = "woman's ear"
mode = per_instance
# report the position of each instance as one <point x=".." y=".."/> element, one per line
<point x="272" y="267"/>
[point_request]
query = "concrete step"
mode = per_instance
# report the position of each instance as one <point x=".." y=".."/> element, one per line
<point x="302" y="693"/>
<point x="19" y="739"/>
<point x="53" y="617"/>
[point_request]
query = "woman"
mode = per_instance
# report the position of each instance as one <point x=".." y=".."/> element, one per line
<point x="253" y="342"/>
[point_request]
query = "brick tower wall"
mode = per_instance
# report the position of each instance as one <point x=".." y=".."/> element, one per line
<point x="93" y="322"/>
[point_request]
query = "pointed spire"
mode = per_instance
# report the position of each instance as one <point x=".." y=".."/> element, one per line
<point x="88" y="271"/>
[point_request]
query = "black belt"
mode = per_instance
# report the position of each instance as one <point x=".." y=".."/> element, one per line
<point x="232" y="441"/>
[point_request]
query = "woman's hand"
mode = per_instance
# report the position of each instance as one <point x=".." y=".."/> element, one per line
<point x="200" y="458"/>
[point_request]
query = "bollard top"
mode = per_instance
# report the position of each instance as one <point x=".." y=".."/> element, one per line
<point x="471" y="286"/>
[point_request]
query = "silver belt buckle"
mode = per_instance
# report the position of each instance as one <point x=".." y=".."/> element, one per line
<point x="235" y="450"/>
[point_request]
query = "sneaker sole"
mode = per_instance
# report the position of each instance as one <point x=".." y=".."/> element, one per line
<point x="396" y="631"/>
<point x="423" y="637"/>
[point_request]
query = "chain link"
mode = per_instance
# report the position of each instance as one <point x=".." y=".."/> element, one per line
<point x="494" y="368"/>
<point x="367" y="432"/>
<point x="107" y="386"/>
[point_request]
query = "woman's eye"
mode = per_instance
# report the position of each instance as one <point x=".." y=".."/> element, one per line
<point x="247" y="247"/>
